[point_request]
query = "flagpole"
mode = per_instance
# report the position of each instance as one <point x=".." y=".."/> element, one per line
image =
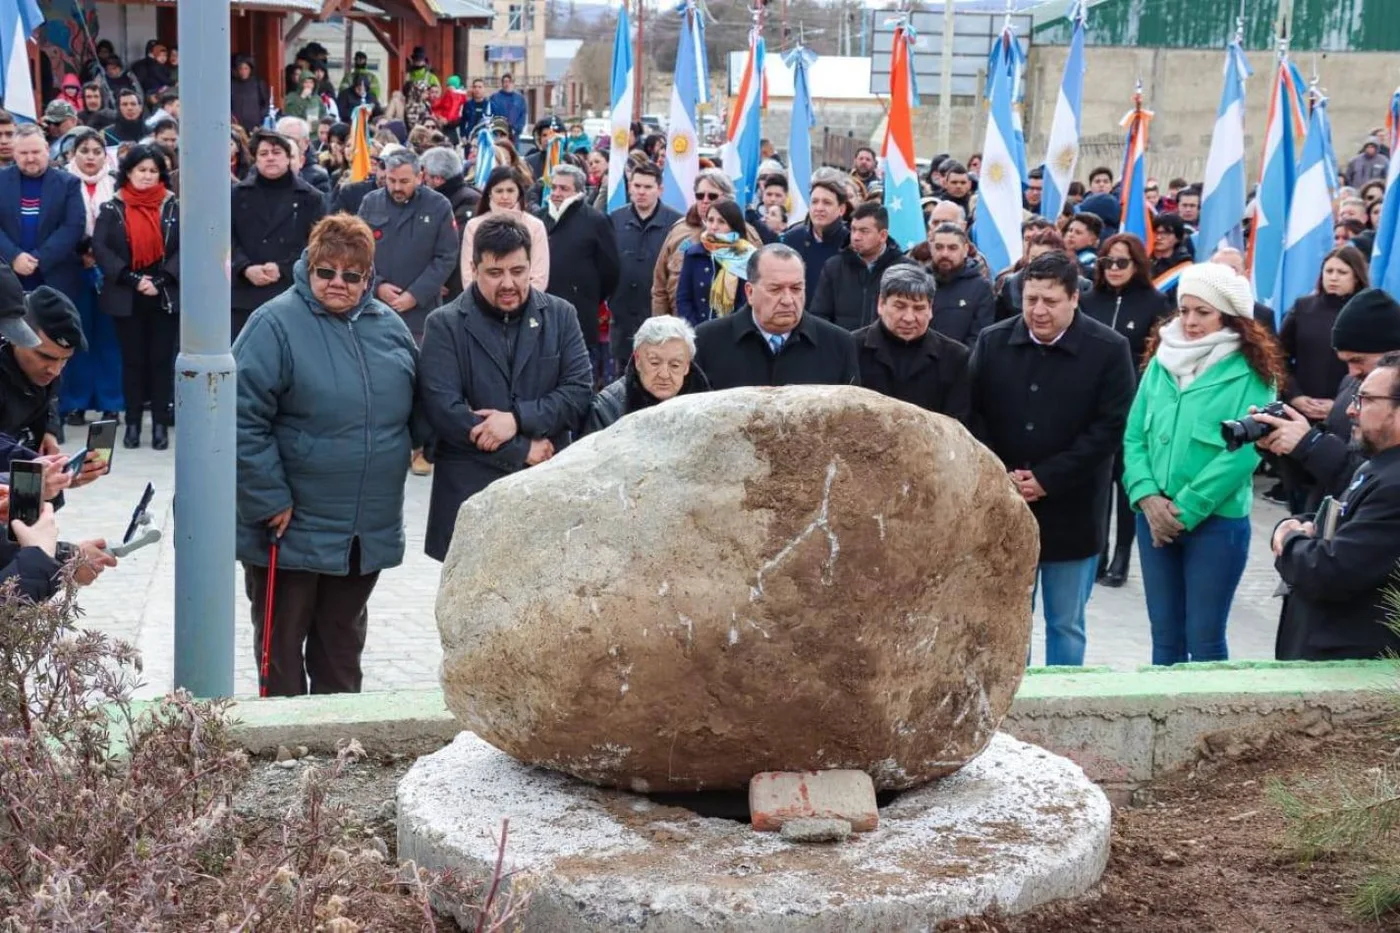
<point x="945" y="80"/>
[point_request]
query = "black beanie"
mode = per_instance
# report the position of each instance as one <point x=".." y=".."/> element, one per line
<point x="1368" y="323"/>
<point x="54" y="313"/>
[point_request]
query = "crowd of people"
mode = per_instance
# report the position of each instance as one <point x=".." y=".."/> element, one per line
<point x="415" y="321"/>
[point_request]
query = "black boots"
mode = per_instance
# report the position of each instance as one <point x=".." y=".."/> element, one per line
<point x="160" y="437"/>
<point x="132" y="439"/>
<point x="1115" y="574"/>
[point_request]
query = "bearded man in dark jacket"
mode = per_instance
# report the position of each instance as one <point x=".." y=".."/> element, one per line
<point x="964" y="302"/>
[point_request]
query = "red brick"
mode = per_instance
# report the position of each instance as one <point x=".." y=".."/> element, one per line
<point x="776" y="797"/>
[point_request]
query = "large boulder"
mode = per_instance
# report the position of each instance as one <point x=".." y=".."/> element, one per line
<point x="754" y="580"/>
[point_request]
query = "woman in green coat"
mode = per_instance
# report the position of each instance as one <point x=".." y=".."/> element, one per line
<point x="1208" y="364"/>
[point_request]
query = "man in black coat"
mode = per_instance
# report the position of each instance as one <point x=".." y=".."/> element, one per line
<point x="964" y="303"/>
<point x="444" y="172"/>
<point x="1338" y="584"/>
<point x="304" y="162"/>
<point x="773" y="342"/>
<point x="903" y="357"/>
<point x="640" y="229"/>
<point x="850" y="280"/>
<point x="583" y="262"/>
<point x="502" y="377"/>
<point x="1050" y="396"/>
<point x="273" y="213"/>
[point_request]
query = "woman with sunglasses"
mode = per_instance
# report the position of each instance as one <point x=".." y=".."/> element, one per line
<point x="136" y="244"/>
<point x="711" y="184"/>
<point x="326" y="378"/>
<point x="1124" y="299"/>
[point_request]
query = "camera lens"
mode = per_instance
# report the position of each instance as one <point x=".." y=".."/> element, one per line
<point x="1243" y="431"/>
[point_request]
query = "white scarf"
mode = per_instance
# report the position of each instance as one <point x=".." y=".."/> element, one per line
<point x="100" y="195"/>
<point x="557" y="211"/>
<point x="1188" y="359"/>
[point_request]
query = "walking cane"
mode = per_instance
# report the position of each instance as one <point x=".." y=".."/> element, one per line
<point x="267" y="613"/>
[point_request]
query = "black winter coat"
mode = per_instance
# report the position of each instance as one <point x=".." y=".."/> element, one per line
<point x="733" y="353"/>
<point x="534" y="364"/>
<point x="964" y="304"/>
<point x="638" y="245"/>
<point x="112" y="251"/>
<point x="464" y="198"/>
<point x="935" y="377"/>
<point x="1326" y="456"/>
<point x="250" y="101"/>
<point x="1134" y="312"/>
<point x="583" y="263"/>
<point x="816" y="252"/>
<point x="272" y="222"/>
<point x="27" y="411"/>
<point x="1058" y="411"/>
<point x="348" y="197"/>
<point x="626" y="394"/>
<point x="848" y="290"/>
<point x="1337" y="596"/>
<point x="1306" y="336"/>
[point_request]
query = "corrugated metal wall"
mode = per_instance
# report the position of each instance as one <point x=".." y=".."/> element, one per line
<point x="1318" y="25"/>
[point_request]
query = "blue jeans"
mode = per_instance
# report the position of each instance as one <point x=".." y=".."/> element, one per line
<point x="1189" y="585"/>
<point x="1067" y="584"/>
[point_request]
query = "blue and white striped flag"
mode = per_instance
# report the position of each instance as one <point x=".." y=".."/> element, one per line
<point x="18" y="20"/>
<point x="1283" y="136"/>
<point x="1385" y="256"/>
<point x="485" y="155"/>
<point x="1223" y="196"/>
<point x="997" y="227"/>
<point x="624" y="78"/>
<point x="1062" y="153"/>
<point x="1309" y="236"/>
<point x="799" y="171"/>
<point x="1007" y="58"/>
<point x="689" y="91"/>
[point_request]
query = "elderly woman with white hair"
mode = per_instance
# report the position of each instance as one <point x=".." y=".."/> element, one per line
<point x="1193" y="494"/>
<point x="662" y="366"/>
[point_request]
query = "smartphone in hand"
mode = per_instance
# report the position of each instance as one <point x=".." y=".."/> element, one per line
<point x="26" y="492"/>
<point x="102" y="439"/>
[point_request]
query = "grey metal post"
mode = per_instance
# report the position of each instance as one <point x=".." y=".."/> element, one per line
<point x="204" y="372"/>
<point x="945" y="80"/>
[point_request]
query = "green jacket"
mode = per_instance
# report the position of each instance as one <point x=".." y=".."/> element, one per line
<point x="311" y="109"/>
<point x="1173" y="446"/>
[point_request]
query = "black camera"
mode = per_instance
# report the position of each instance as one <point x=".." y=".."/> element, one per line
<point x="1246" y="430"/>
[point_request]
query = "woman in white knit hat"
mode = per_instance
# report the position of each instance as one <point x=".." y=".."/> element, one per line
<point x="1208" y="364"/>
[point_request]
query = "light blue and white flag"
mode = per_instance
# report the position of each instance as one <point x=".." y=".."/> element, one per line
<point x="1310" y="221"/>
<point x="799" y="171"/>
<point x="997" y="227"/>
<point x="689" y="91"/>
<point x="1062" y="154"/>
<point x="1283" y="137"/>
<point x="624" y="78"/>
<point x="1223" y="196"/>
<point x="18" y="20"/>
<point x="1385" y="256"/>
<point x="1007" y="58"/>
<point x="485" y="155"/>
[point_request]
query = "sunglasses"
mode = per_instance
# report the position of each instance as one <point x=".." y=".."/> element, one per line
<point x="707" y="196"/>
<point x="346" y="276"/>
<point x="1115" y="262"/>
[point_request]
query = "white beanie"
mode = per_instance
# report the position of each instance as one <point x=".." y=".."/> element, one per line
<point x="1218" y="286"/>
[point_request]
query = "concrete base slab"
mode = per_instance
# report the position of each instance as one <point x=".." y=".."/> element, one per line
<point x="1015" y="828"/>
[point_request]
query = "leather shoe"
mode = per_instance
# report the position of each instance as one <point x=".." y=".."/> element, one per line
<point x="75" y="419"/>
<point x="1117" y="573"/>
<point x="160" y="437"/>
<point x="132" y="439"/>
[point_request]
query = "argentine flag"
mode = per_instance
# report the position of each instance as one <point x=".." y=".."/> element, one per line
<point x="1223" y="197"/>
<point x="799" y="171"/>
<point x="688" y="91"/>
<point x="1282" y="139"/>
<point x="1062" y="154"/>
<point x="1385" y="256"/>
<point x="901" y="195"/>
<point x="740" y="155"/>
<point x="997" y="227"/>
<point x="624" y="78"/>
<point x="1308" y="238"/>
<point x="18" y="20"/>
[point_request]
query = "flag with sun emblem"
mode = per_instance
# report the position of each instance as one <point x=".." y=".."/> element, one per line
<point x="623" y="79"/>
<point x="687" y="92"/>
<point x="901" y="178"/>
<point x="997" y="227"/>
<point x="1062" y="156"/>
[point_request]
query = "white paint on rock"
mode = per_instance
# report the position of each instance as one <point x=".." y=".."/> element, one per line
<point x="1015" y="828"/>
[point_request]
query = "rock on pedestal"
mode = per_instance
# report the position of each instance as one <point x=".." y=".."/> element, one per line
<point x="754" y="580"/>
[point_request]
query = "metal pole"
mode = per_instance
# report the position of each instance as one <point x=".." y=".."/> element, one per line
<point x="945" y="82"/>
<point x="204" y="371"/>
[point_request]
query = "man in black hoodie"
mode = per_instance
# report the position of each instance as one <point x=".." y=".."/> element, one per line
<point x="850" y="281"/>
<point x="273" y="213"/>
<point x="249" y="96"/>
<point x="964" y="302"/>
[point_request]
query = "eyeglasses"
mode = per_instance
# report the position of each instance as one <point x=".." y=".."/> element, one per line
<point x="346" y="276"/>
<point x="1361" y="398"/>
<point x="1115" y="262"/>
<point x="707" y="196"/>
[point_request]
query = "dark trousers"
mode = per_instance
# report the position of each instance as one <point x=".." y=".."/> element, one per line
<point x="318" y="627"/>
<point x="1122" y="540"/>
<point x="238" y="319"/>
<point x="149" y="339"/>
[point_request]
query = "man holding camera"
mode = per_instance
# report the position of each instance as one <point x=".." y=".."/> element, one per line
<point x="1338" y="580"/>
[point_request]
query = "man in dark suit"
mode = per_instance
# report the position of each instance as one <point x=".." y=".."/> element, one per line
<point x="772" y="342"/>
<point x="42" y="217"/>
<point x="1338" y="584"/>
<point x="1051" y="391"/>
<point x="519" y="354"/>
<point x="583" y="263"/>
<point x="903" y="357"/>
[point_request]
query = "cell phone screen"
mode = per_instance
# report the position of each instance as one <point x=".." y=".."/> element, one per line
<point x="26" y="492"/>
<point x="101" y="440"/>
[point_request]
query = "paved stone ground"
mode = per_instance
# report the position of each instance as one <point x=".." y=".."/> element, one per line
<point x="135" y="601"/>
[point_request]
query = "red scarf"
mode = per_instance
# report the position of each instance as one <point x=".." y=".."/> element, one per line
<point x="143" y="231"/>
